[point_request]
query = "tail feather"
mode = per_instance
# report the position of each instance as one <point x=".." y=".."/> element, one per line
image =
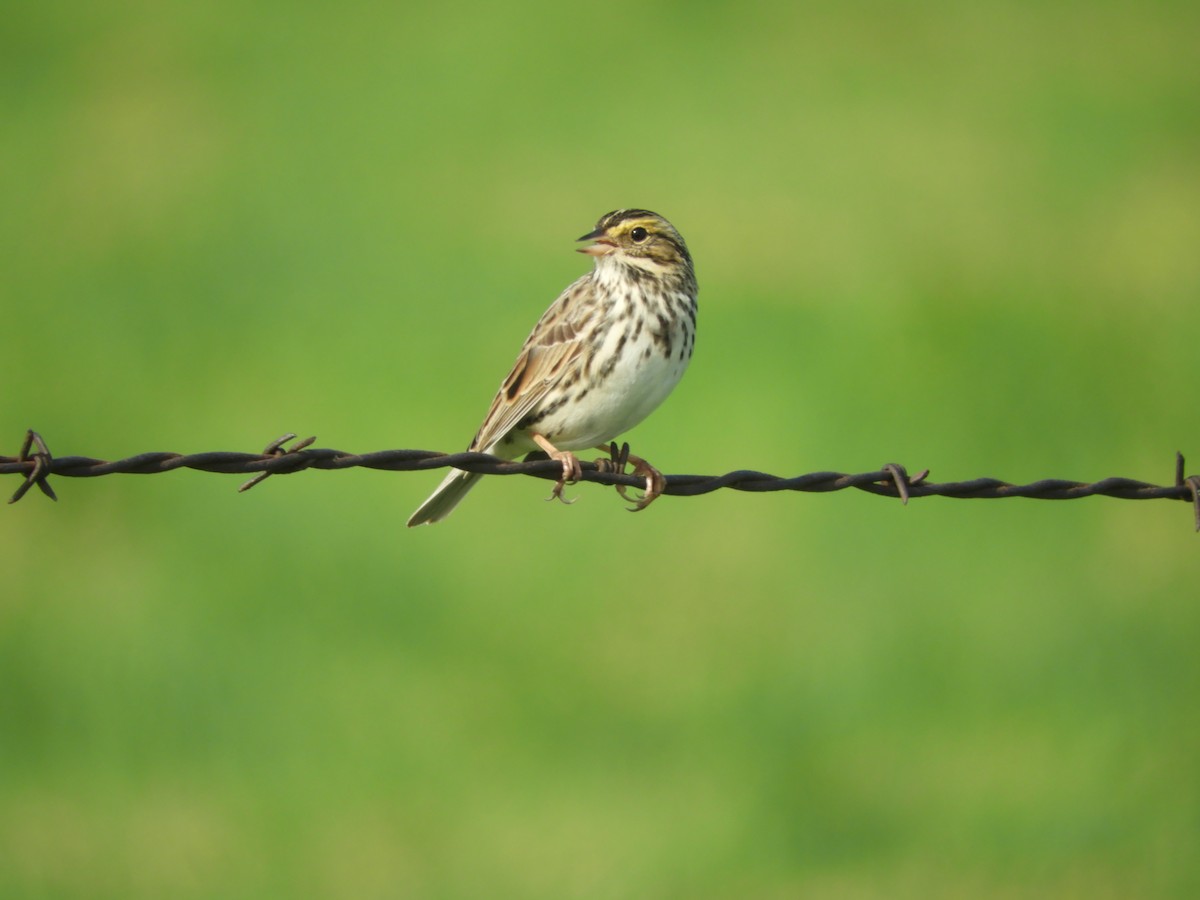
<point x="443" y="500"/>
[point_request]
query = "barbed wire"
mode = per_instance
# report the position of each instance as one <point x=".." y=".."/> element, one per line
<point x="37" y="464"/>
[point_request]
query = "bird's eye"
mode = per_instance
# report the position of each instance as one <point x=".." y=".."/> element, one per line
<point x="638" y="234"/>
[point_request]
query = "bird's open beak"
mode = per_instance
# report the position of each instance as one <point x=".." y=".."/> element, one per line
<point x="602" y="246"/>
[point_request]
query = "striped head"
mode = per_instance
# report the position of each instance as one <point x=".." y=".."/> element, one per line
<point x="640" y="238"/>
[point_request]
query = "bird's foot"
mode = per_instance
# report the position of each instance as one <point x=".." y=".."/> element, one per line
<point x="572" y="471"/>
<point x="617" y="461"/>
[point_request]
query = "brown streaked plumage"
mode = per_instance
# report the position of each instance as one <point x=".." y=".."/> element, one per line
<point x="600" y="359"/>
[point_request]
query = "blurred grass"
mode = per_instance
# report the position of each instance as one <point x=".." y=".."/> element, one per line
<point x="961" y="238"/>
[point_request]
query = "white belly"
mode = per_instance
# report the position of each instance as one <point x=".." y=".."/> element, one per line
<point x="635" y="387"/>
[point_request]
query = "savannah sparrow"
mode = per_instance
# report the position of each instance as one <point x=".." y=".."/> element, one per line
<point x="602" y="357"/>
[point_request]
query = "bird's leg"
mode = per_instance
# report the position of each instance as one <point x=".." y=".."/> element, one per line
<point x="655" y="482"/>
<point x="571" y="470"/>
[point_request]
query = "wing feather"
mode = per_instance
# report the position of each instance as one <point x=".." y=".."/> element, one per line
<point x="552" y="350"/>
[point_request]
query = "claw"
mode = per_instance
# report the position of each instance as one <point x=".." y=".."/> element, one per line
<point x="557" y="494"/>
<point x="655" y="482"/>
<point x="572" y="471"/>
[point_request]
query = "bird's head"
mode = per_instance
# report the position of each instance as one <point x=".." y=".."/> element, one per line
<point x="639" y="238"/>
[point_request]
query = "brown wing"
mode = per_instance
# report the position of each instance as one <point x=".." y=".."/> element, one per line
<point x="552" y="350"/>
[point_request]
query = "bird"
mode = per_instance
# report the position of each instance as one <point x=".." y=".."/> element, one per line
<point x="605" y="354"/>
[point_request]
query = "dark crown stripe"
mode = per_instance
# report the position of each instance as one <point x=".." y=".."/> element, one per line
<point x="624" y="215"/>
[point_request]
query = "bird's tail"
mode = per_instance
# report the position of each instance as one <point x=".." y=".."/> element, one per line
<point x="443" y="500"/>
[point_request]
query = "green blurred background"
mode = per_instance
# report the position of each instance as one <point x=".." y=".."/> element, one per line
<point x="963" y="237"/>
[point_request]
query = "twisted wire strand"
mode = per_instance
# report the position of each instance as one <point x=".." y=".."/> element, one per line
<point x="891" y="480"/>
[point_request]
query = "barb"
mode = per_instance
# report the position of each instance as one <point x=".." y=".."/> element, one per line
<point x="1191" y="483"/>
<point x="39" y="466"/>
<point x="275" y="450"/>
<point x="891" y="480"/>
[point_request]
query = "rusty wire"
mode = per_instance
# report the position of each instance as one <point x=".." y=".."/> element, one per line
<point x="891" y="480"/>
